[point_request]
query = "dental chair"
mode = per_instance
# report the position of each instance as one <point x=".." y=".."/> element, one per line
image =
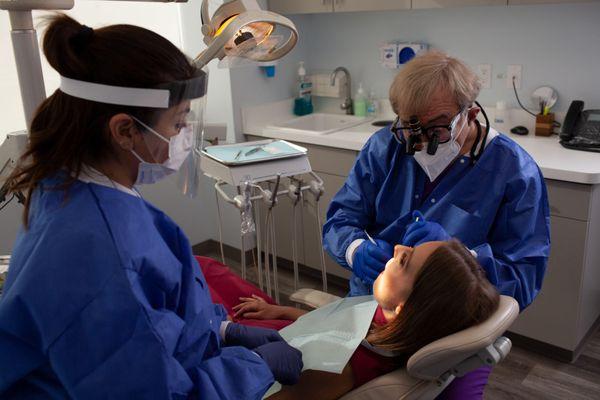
<point x="434" y="366"/>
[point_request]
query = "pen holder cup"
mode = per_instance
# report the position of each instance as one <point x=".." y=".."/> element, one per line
<point x="544" y="124"/>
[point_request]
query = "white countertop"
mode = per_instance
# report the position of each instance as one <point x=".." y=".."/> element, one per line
<point x="555" y="161"/>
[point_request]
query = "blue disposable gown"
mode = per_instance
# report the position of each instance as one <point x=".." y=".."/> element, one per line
<point x="497" y="207"/>
<point x="104" y="300"/>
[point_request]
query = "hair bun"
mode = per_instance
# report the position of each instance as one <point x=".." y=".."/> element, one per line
<point x="81" y="39"/>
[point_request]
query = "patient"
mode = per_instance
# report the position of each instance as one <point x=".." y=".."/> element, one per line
<point x="424" y="294"/>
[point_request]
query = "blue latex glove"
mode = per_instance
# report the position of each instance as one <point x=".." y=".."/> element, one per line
<point x="369" y="259"/>
<point x="422" y="231"/>
<point x="359" y="288"/>
<point x="250" y="337"/>
<point x="284" y="361"/>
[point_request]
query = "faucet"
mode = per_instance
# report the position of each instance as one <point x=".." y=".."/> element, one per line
<point x="347" y="104"/>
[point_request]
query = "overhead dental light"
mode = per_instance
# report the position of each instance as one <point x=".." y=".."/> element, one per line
<point x="240" y="32"/>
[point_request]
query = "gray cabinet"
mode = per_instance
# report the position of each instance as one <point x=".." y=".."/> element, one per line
<point x="416" y="4"/>
<point x="569" y="303"/>
<point x="300" y="7"/>
<point x="371" y="5"/>
<point x="516" y="2"/>
<point x="321" y="6"/>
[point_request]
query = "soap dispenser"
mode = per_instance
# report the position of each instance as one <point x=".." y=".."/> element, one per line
<point x="303" y="102"/>
<point x="360" y="102"/>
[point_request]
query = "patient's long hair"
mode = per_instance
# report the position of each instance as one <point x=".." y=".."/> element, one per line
<point x="451" y="293"/>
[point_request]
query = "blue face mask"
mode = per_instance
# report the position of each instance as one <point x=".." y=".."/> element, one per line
<point x="180" y="146"/>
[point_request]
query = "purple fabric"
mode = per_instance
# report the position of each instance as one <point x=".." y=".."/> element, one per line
<point x="469" y="387"/>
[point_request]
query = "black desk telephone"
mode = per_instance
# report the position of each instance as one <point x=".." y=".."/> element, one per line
<point x="581" y="129"/>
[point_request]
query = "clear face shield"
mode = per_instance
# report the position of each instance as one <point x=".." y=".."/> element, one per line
<point x="166" y="144"/>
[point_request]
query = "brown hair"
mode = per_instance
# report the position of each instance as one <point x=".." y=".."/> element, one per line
<point x="414" y="85"/>
<point x="451" y="293"/>
<point x="68" y="132"/>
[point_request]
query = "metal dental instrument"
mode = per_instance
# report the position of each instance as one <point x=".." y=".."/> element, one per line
<point x="254" y="150"/>
<point x="369" y="237"/>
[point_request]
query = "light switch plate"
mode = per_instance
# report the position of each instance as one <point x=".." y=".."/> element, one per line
<point x="485" y="75"/>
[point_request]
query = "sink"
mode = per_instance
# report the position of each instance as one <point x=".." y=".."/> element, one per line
<point x="318" y="123"/>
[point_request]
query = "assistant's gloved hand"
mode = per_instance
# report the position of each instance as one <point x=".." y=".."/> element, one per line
<point x="284" y="361"/>
<point x="250" y="337"/>
<point x="369" y="259"/>
<point x="422" y="231"/>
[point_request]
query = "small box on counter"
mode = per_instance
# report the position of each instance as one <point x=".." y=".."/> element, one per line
<point x="544" y="124"/>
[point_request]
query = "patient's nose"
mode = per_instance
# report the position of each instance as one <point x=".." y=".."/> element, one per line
<point x="399" y="249"/>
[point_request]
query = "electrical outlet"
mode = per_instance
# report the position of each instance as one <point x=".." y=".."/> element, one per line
<point x="485" y="75"/>
<point x="514" y="70"/>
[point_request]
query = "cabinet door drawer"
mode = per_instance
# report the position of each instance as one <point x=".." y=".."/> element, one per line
<point x="330" y="160"/>
<point x="567" y="199"/>
<point x="560" y="290"/>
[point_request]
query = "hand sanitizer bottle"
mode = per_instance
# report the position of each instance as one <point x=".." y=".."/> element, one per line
<point x="372" y="104"/>
<point x="360" y="102"/>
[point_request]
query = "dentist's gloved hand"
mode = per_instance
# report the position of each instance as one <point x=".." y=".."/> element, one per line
<point x="369" y="259"/>
<point x="250" y="337"/>
<point x="422" y="231"/>
<point x="284" y="361"/>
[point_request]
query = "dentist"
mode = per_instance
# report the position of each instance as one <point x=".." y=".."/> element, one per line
<point x="437" y="173"/>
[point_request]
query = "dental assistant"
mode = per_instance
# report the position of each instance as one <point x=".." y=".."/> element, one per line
<point x="103" y="297"/>
<point x="462" y="180"/>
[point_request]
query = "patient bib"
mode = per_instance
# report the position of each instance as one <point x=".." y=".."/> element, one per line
<point x="328" y="336"/>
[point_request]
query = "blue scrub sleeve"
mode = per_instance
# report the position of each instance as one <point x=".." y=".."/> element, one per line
<point x="118" y="348"/>
<point x="352" y="210"/>
<point x="516" y="255"/>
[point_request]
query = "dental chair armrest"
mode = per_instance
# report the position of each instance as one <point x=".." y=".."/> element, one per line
<point x="468" y="349"/>
<point x="313" y="298"/>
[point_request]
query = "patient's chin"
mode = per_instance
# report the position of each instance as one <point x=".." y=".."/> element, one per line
<point x="377" y="288"/>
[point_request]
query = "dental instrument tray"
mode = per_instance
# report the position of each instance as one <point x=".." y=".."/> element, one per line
<point x="257" y="161"/>
<point x="253" y="152"/>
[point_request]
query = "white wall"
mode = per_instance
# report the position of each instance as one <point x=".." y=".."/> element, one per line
<point x="557" y="45"/>
<point x="178" y="23"/>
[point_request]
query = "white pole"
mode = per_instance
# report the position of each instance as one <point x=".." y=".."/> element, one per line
<point x="29" y="66"/>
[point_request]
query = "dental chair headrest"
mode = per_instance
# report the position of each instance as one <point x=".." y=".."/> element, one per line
<point x="433" y="360"/>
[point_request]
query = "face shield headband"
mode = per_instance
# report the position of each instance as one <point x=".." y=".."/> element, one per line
<point x="163" y="96"/>
<point x="190" y="93"/>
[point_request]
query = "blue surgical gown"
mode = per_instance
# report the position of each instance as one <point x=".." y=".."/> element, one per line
<point x="497" y="207"/>
<point x="104" y="299"/>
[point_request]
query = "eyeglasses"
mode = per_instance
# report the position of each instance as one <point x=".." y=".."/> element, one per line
<point x="442" y="132"/>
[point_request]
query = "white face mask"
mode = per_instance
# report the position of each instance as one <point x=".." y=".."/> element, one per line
<point x="434" y="165"/>
<point x="180" y="146"/>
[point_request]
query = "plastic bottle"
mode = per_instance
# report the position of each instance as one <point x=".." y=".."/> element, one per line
<point x="500" y="116"/>
<point x="360" y="102"/>
<point x="372" y="107"/>
<point x="303" y="103"/>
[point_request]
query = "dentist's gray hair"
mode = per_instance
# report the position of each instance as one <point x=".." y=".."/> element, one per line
<point x="420" y="77"/>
